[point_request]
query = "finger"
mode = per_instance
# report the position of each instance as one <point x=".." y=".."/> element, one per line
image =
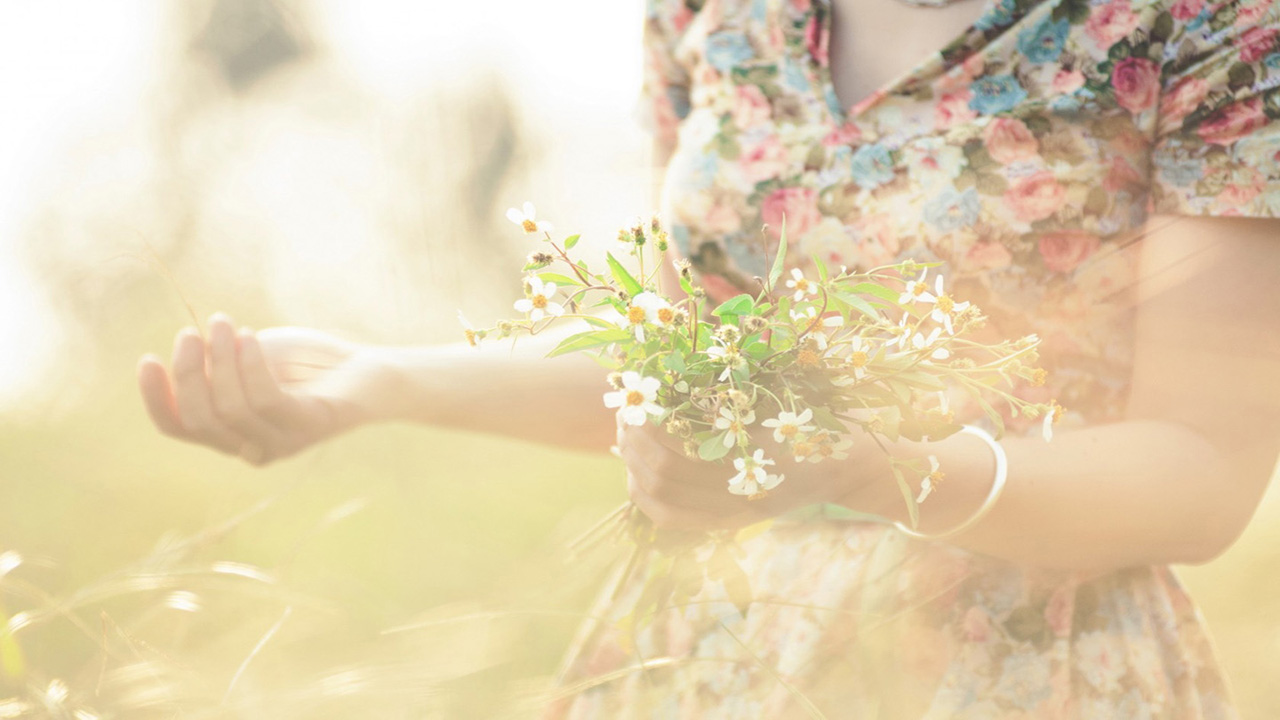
<point x="157" y="396"/>
<point x="191" y="394"/>
<point x="673" y="517"/>
<point x="672" y="464"/>
<point x="228" y="395"/>
<point x="652" y="470"/>
<point x="262" y="392"/>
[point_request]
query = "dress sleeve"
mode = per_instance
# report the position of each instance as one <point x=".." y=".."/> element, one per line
<point x="1217" y="145"/>
<point x="664" y="95"/>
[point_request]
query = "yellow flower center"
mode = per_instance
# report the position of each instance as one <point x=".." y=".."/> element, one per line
<point x="1038" y="377"/>
<point x="539" y="301"/>
<point x="635" y="315"/>
<point x="529" y="226"/>
<point x="1057" y="413"/>
<point x="635" y="397"/>
<point x="788" y="431"/>
<point x="858" y="359"/>
<point x="471" y="337"/>
<point x="946" y="304"/>
<point x="804" y="448"/>
<point x="917" y="288"/>
<point x="666" y="315"/>
<point x="807" y="358"/>
<point x="802" y="284"/>
<point x="936" y="477"/>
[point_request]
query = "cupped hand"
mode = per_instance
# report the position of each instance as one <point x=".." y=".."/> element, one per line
<point x="261" y="396"/>
<point x="680" y="493"/>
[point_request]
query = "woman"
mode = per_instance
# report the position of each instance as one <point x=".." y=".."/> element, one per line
<point x="1095" y="173"/>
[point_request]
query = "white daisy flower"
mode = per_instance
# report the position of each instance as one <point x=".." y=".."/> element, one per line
<point x="735" y="425"/>
<point x="916" y="289"/>
<point x="752" y="478"/>
<point x="808" y="314"/>
<point x="728" y="355"/>
<point x="931" y="481"/>
<point x="801" y="285"/>
<point x="859" y="356"/>
<point x="920" y="342"/>
<point x="526" y="219"/>
<point x="944" y="307"/>
<point x="539" y="304"/>
<point x="636" y="400"/>
<point x="900" y="332"/>
<point x="788" y="424"/>
<point x="657" y="311"/>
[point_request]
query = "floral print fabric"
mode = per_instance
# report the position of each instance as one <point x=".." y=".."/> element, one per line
<point x="1025" y="156"/>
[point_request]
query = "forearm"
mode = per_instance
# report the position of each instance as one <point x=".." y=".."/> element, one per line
<point x="502" y="388"/>
<point x="1128" y="493"/>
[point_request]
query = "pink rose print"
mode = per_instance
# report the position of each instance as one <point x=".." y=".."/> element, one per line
<point x="816" y="40"/>
<point x="1068" y="81"/>
<point x="953" y="109"/>
<point x="1121" y="176"/>
<point x="1249" y="13"/>
<point x="878" y="242"/>
<point x="977" y="625"/>
<point x="1136" y="82"/>
<point x="1059" y="609"/>
<point x="1255" y="43"/>
<point x="846" y="134"/>
<point x="987" y="256"/>
<point x="1244" y="185"/>
<point x="798" y="204"/>
<point x="1109" y="24"/>
<point x="1180" y="101"/>
<point x="1008" y="140"/>
<point x="751" y="107"/>
<point x="1035" y="197"/>
<point x="1064" y="250"/>
<point x="1186" y="9"/>
<point x="1233" y="122"/>
<point x="764" y="160"/>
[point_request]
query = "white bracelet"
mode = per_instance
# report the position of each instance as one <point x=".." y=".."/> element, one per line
<point x="997" y="487"/>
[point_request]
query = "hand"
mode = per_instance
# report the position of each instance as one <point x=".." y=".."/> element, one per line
<point x="677" y="492"/>
<point x="261" y="396"/>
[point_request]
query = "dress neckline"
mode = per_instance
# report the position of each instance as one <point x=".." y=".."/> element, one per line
<point x="927" y="67"/>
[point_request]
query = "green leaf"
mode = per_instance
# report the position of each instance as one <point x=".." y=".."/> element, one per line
<point x="821" y="267"/>
<point x="858" y="304"/>
<point x="740" y="305"/>
<point x="559" y="279"/>
<point x="779" y="260"/>
<point x="922" y="380"/>
<point x="624" y="278"/>
<point x="686" y="286"/>
<point x="589" y="339"/>
<point x="570" y="241"/>
<point x="599" y="322"/>
<point x="876" y="289"/>
<point x="674" y="362"/>
<point x="713" y="448"/>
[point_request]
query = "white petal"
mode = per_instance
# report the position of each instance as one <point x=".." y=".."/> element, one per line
<point x="549" y="289"/>
<point x="795" y="273"/>
<point x="649" y="386"/>
<point x="804" y="417"/>
<point x="653" y="408"/>
<point x="937" y="284"/>
<point x="514" y="216"/>
<point x="633" y="415"/>
<point x="1048" y="426"/>
<point x="537" y="314"/>
<point x="615" y="399"/>
<point x="524" y="305"/>
<point x="530" y="211"/>
<point x="631" y="380"/>
<point x="555" y="309"/>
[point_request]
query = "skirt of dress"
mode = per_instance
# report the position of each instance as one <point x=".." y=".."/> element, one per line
<point x="856" y="620"/>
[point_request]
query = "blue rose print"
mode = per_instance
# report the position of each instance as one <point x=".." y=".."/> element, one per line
<point x="995" y="94"/>
<point x="725" y="50"/>
<point x="1043" y="42"/>
<point x="952" y="210"/>
<point x="1000" y="14"/>
<point x="872" y="166"/>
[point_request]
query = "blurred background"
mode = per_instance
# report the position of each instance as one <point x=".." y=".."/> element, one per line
<point x="342" y="165"/>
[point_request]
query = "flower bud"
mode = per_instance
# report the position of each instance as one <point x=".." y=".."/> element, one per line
<point x="615" y="380"/>
<point x="752" y="324"/>
<point x="679" y="427"/>
<point x="739" y="399"/>
<point x="680" y="318"/>
<point x="505" y="327"/>
<point x="637" y="235"/>
<point x="684" y="267"/>
<point x="729" y="334"/>
<point x="538" y="260"/>
<point x="691" y="450"/>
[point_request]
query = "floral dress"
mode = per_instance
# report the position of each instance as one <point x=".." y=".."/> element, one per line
<point x="1025" y="156"/>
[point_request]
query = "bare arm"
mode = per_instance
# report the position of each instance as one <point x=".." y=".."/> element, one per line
<point x="1176" y="481"/>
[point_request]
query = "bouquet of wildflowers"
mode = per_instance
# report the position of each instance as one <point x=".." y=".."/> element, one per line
<point x="812" y="358"/>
